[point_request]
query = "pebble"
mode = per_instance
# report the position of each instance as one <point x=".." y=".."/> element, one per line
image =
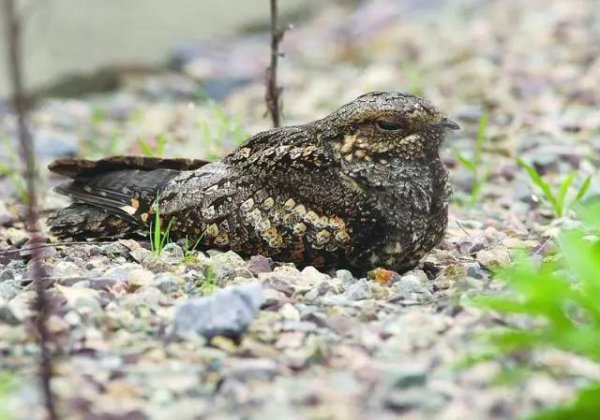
<point x="259" y="264"/>
<point x="410" y="289"/>
<point x="172" y="253"/>
<point x="166" y="282"/>
<point x="228" y="265"/>
<point x="228" y="312"/>
<point x="494" y="257"/>
<point x="359" y="290"/>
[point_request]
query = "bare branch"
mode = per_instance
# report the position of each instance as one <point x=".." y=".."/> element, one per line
<point x="273" y="93"/>
<point x="13" y="29"/>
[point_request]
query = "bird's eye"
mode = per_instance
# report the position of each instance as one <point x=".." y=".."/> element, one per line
<point x="388" y="125"/>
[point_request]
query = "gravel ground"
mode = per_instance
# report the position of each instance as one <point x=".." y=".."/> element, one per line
<point x="211" y="335"/>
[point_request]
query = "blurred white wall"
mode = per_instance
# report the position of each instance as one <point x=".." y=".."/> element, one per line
<point x="68" y="36"/>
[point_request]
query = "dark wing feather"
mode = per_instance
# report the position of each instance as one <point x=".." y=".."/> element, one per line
<point x="125" y="186"/>
<point x="73" y="167"/>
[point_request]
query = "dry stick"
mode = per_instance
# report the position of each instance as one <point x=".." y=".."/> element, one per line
<point x="273" y="92"/>
<point x="13" y="28"/>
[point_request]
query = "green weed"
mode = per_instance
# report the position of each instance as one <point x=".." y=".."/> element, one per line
<point x="158" y="237"/>
<point x="558" y="199"/>
<point x="158" y="150"/>
<point x="559" y="300"/>
<point x="209" y="283"/>
<point x="188" y="249"/>
<point x="475" y="164"/>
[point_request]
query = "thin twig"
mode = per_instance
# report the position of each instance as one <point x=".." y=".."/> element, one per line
<point x="14" y="40"/>
<point x="273" y="93"/>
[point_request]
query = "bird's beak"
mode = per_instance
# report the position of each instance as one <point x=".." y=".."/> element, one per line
<point x="448" y="123"/>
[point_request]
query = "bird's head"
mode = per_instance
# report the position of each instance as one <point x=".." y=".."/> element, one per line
<point x="386" y="125"/>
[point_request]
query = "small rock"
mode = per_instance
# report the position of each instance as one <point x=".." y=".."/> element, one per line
<point x="358" y="291"/>
<point x="9" y="289"/>
<point x="228" y="265"/>
<point x="7" y="274"/>
<point x="66" y="269"/>
<point x="320" y="289"/>
<point x="141" y="255"/>
<point x="449" y="276"/>
<point x="310" y="276"/>
<point x="16" y="265"/>
<point x="277" y="282"/>
<point x="493" y="257"/>
<point x="166" y="282"/>
<point x="289" y="312"/>
<point x="259" y="264"/>
<point x="474" y="270"/>
<point x="15" y="237"/>
<point x="115" y="249"/>
<point x="345" y="277"/>
<point x="228" y="312"/>
<point x="402" y="377"/>
<point x="411" y="289"/>
<point x="172" y="253"/>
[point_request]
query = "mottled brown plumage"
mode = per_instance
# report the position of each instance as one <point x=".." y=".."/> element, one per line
<point x="361" y="188"/>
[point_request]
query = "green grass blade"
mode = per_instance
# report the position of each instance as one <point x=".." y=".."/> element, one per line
<point x="562" y="194"/>
<point x="166" y="234"/>
<point x="535" y="177"/>
<point x="466" y="162"/>
<point x="583" y="189"/>
<point x="161" y="142"/>
<point x="146" y="149"/>
<point x="481" y="134"/>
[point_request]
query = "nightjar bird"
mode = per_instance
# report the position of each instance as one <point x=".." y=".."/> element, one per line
<point x="362" y="188"/>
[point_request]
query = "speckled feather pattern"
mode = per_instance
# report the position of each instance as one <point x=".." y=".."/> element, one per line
<point x="361" y="188"/>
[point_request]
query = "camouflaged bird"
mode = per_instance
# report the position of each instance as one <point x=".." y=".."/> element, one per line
<point x="361" y="188"/>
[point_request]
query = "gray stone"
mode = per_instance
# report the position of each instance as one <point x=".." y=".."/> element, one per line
<point x="17" y="265"/>
<point x="345" y="277"/>
<point x="474" y="270"/>
<point x="8" y="315"/>
<point x="8" y="289"/>
<point x="172" y="253"/>
<point x="411" y="289"/>
<point x="276" y="282"/>
<point x="403" y="377"/>
<point x="167" y="282"/>
<point x="141" y="255"/>
<point x="259" y="264"/>
<point x="359" y="290"/>
<point x="115" y="249"/>
<point x="7" y="274"/>
<point x="228" y="312"/>
<point x="228" y="265"/>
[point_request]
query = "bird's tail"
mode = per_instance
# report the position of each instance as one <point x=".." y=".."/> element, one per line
<point x="112" y="197"/>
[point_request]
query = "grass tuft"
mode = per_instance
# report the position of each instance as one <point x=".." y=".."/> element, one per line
<point x="558" y="199"/>
<point x="557" y="301"/>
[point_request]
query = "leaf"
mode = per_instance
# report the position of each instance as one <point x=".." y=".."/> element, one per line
<point x="466" y="162"/>
<point x="585" y="407"/>
<point x="146" y="149"/>
<point x="583" y="189"/>
<point x="535" y="177"/>
<point x="481" y="133"/>
<point x="161" y="142"/>
<point x="562" y="193"/>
